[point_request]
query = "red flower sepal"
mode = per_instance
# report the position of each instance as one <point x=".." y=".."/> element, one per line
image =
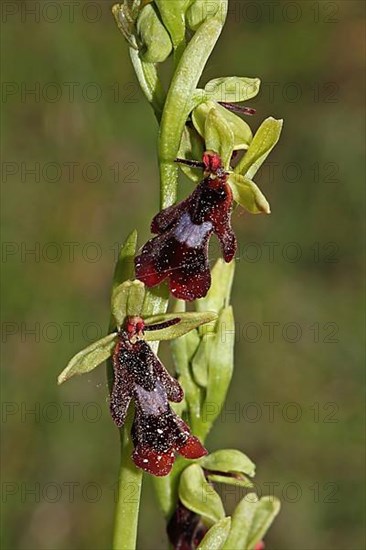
<point x="157" y="431"/>
<point x="179" y="252"/>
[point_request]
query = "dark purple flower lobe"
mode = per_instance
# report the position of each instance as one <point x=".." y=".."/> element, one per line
<point x="179" y="252"/>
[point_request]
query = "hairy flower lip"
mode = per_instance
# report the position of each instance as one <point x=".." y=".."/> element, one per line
<point x="179" y="251"/>
<point x="157" y="431"/>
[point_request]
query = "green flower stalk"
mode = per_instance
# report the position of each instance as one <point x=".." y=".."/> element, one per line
<point x="160" y="415"/>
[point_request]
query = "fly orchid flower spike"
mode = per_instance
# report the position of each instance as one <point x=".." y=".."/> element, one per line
<point x="157" y="431"/>
<point x="179" y="252"/>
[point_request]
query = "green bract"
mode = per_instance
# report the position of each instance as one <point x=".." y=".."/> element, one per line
<point x="199" y="496"/>
<point x="248" y="195"/>
<point x="220" y="362"/>
<point x="218" y="296"/>
<point x="203" y="358"/>
<point x="250" y="521"/>
<point x="216" y="536"/>
<point x="155" y="40"/>
<point x="240" y="129"/>
<point x="232" y="89"/>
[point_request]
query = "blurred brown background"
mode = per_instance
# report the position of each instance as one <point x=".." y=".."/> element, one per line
<point x="73" y="114"/>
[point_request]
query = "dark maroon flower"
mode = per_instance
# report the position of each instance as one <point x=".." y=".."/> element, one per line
<point x="157" y="432"/>
<point x="180" y="249"/>
<point x="185" y="529"/>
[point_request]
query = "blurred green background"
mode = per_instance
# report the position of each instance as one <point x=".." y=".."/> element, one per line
<point x="90" y="137"/>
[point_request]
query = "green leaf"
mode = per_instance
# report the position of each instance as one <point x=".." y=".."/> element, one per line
<point x="218" y="296"/>
<point x="229" y="461"/>
<point x="127" y="300"/>
<point x="250" y="521"/>
<point x="153" y="35"/>
<point x="219" y="137"/>
<point x="263" y="142"/>
<point x="191" y="148"/>
<point x="199" y="496"/>
<point x="216" y="536"/>
<point x="188" y="321"/>
<point x="232" y="89"/>
<point x="240" y="129"/>
<point x="89" y="358"/>
<point x="172" y="13"/>
<point x="220" y="368"/>
<point x="239" y="481"/>
<point x="200" y="10"/>
<point x="125" y="264"/>
<point x="248" y="195"/>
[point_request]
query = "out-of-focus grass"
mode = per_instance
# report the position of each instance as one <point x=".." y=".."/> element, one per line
<point x="70" y="460"/>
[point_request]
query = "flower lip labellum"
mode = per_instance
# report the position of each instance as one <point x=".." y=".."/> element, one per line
<point x="179" y="252"/>
<point x="157" y="431"/>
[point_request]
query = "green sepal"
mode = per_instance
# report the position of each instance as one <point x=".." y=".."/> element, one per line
<point x="199" y="11"/>
<point x="218" y="296"/>
<point x="263" y="142"/>
<point x="199" y="496"/>
<point x="215" y="537"/>
<point x="219" y="136"/>
<point x="233" y="89"/>
<point x="90" y="357"/>
<point x="248" y="195"/>
<point x="125" y="268"/>
<point x="250" y="521"/>
<point x="229" y="461"/>
<point x="127" y="300"/>
<point x="172" y="14"/>
<point x="240" y="129"/>
<point x="187" y="322"/>
<point x="156" y="44"/>
<point x="191" y="147"/>
<point x="239" y="481"/>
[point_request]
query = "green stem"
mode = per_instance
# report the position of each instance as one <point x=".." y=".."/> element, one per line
<point x="178" y="103"/>
<point x="129" y="492"/>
